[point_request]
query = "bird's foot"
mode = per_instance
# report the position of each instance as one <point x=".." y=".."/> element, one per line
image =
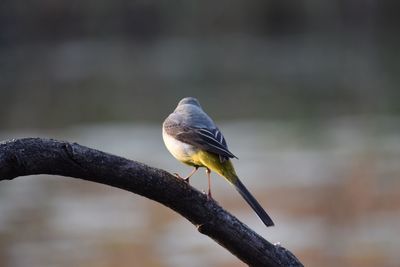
<point x="209" y="195"/>
<point x="186" y="179"/>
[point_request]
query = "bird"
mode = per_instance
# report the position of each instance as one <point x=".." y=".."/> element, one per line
<point x="193" y="138"/>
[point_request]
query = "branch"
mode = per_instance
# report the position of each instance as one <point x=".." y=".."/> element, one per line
<point x="46" y="156"/>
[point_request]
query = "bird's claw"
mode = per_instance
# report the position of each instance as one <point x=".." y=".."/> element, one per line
<point x="180" y="177"/>
<point x="209" y="196"/>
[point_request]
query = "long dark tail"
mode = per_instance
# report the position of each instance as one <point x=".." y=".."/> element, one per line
<point x="253" y="203"/>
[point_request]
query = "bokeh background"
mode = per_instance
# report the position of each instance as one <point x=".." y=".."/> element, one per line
<point x="306" y="93"/>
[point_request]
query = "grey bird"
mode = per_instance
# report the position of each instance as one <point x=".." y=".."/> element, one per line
<point x="192" y="137"/>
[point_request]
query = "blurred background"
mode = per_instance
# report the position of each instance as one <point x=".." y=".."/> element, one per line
<point x="305" y="92"/>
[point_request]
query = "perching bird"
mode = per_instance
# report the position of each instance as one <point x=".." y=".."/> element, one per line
<point x="192" y="138"/>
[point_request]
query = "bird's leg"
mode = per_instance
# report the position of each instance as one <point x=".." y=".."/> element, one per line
<point x="209" y="183"/>
<point x="186" y="179"/>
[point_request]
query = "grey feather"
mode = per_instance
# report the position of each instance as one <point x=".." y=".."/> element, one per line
<point x="191" y="125"/>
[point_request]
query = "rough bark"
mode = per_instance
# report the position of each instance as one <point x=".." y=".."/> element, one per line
<point x="46" y="156"/>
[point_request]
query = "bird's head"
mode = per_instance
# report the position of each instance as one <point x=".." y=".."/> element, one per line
<point x="190" y="101"/>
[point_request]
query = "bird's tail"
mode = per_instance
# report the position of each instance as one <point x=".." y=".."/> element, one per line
<point x="253" y="202"/>
<point x="226" y="169"/>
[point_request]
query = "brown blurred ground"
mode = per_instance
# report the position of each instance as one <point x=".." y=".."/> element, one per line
<point x="332" y="191"/>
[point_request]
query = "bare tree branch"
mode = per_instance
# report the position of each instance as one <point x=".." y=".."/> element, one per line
<point x="45" y="156"/>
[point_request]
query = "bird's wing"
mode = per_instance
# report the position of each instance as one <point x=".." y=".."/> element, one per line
<point x="207" y="139"/>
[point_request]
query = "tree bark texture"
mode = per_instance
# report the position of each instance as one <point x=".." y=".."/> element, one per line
<point x="28" y="156"/>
